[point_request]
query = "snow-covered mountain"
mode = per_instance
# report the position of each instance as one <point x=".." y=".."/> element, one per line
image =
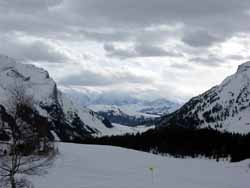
<point x="122" y="116"/>
<point x="224" y="107"/>
<point x="122" y="108"/>
<point x="159" y="107"/>
<point x="68" y="121"/>
<point x="127" y="103"/>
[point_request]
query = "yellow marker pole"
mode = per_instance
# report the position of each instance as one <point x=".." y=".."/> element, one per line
<point x="152" y="169"/>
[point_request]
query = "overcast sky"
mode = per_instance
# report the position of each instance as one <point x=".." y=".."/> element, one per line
<point x="169" y="48"/>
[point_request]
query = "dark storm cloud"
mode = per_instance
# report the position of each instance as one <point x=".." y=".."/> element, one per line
<point x="91" y="78"/>
<point x="32" y="51"/>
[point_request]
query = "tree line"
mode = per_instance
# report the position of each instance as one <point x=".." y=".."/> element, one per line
<point x="183" y="142"/>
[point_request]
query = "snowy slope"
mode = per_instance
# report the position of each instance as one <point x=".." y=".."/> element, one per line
<point x="85" y="166"/>
<point x="224" y="107"/>
<point x="69" y="121"/>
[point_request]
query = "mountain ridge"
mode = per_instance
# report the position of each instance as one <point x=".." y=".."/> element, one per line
<point x="225" y="107"/>
<point x="69" y="122"/>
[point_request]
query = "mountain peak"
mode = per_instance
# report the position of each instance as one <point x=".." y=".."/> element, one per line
<point x="68" y="120"/>
<point x="225" y="107"/>
<point x="244" y="67"/>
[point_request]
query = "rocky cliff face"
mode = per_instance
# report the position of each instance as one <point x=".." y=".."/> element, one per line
<point x="68" y="121"/>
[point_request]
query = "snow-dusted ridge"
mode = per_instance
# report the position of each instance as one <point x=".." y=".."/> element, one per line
<point x="224" y="107"/>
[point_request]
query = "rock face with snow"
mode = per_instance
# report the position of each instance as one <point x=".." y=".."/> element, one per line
<point x="159" y="107"/>
<point x="116" y="115"/>
<point x="134" y="114"/>
<point x="224" y="107"/>
<point x="68" y="121"/>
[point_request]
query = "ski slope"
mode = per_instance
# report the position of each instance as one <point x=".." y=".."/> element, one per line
<point x="89" y="166"/>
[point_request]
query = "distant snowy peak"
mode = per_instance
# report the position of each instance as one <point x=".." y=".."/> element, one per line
<point x="121" y="108"/>
<point x="224" y="107"/>
<point x="103" y="101"/>
<point x="159" y="107"/>
<point x="119" y="116"/>
<point x="69" y="121"/>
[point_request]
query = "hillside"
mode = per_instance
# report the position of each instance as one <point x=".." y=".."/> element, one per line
<point x="224" y="107"/>
<point x="69" y="122"/>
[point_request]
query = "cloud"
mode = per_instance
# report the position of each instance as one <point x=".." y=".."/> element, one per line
<point x="107" y="36"/>
<point x="36" y="51"/>
<point x="95" y="78"/>
<point x="200" y="39"/>
<point x="210" y="60"/>
<point x="45" y="17"/>
<point x="154" y="51"/>
<point x="177" y="36"/>
<point x="130" y="11"/>
<point x="139" y="50"/>
<point x="181" y="66"/>
<point x="28" y="6"/>
<point x="112" y="51"/>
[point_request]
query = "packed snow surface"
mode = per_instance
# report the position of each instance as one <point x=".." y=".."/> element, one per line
<point x="90" y="166"/>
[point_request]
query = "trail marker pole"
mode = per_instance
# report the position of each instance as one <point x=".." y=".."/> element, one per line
<point x="152" y="169"/>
